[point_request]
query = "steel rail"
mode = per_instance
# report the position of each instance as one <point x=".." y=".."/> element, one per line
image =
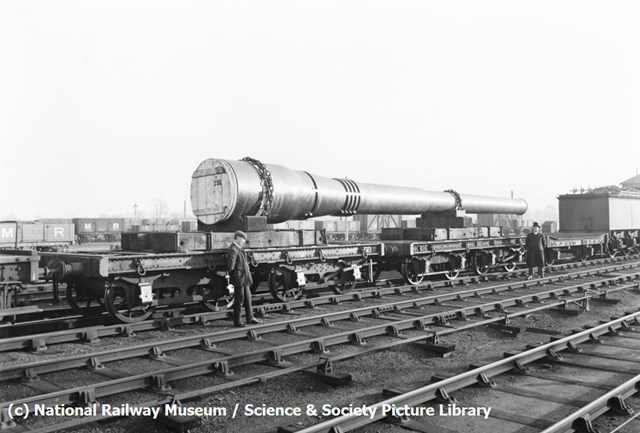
<point x="596" y="407"/>
<point x="142" y="381"/>
<point x="17" y="371"/>
<point x="216" y="364"/>
<point x="432" y="391"/>
<point x="177" y="398"/>
<point x="219" y="365"/>
<point x="463" y="280"/>
<point x="40" y="341"/>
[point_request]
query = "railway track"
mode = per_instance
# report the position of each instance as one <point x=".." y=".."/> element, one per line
<point x="157" y="369"/>
<point x="56" y="313"/>
<point x="560" y="386"/>
<point x="30" y="336"/>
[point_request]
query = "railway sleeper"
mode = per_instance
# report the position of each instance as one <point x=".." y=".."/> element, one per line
<point x="86" y="397"/>
<point x="583" y="425"/>
<point x="618" y="406"/>
<point x="6" y="420"/>
<point x="440" y="350"/>
<point x="276" y="359"/>
<point x="484" y="381"/>
<point x="95" y="364"/>
<point x="358" y="339"/>
<point x="179" y="423"/>
<point x="512" y="330"/>
<point x="127" y="331"/>
<point x="432" y="344"/>
<point x="394" y="391"/>
<point x="397" y="420"/>
<point x="159" y="383"/>
<point x="325" y="373"/>
<point x="90" y="336"/>
<point x="605" y="299"/>
<point x="319" y="347"/>
<point x="252" y="335"/>
<point x="394" y="331"/>
<point x="222" y="369"/>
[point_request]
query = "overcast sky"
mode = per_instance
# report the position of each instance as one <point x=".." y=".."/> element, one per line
<point x="104" y="104"/>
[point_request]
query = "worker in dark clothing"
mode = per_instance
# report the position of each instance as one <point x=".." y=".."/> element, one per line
<point x="535" y="244"/>
<point x="240" y="276"/>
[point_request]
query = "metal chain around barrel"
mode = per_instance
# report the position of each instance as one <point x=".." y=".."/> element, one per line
<point x="266" y="196"/>
<point x="456" y="196"/>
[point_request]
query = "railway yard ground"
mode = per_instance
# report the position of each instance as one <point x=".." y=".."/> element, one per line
<point x="357" y="350"/>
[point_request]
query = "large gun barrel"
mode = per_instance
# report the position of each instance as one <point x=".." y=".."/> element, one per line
<point x="222" y="190"/>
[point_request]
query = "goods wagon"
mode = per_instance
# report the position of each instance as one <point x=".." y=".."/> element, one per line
<point x="604" y="220"/>
<point x="35" y="235"/>
<point x="99" y="229"/>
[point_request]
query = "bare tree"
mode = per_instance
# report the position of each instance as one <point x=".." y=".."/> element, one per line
<point x="160" y="207"/>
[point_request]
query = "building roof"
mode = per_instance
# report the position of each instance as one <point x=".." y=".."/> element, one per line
<point x="633" y="182"/>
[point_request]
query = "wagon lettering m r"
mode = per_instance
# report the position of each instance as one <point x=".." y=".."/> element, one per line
<point x="7" y="232"/>
<point x="58" y="232"/>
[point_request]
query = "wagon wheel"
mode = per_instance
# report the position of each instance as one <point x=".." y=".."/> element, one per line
<point x="480" y="269"/>
<point x="340" y="288"/>
<point x="82" y="303"/>
<point x="582" y="255"/>
<point x="550" y="258"/>
<point x="282" y="285"/>
<point x="216" y="297"/>
<point x="452" y="274"/>
<point x="613" y="252"/>
<point x="409" y="274"/>
<point x="510" y="267"/>
<point x="117" y="307"/>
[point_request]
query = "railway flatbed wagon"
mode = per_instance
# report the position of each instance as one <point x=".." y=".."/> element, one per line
<point x="289" y="270"/>
<point x="129" y="285"/>
<point x="580" y="246"/>
<point x="417" y="253"/>
<point x="583" y="246"/>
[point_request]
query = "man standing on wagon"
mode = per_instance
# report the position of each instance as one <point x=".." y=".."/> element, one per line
<point x="535" y="243"/>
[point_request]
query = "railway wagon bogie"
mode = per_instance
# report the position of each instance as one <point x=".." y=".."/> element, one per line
<point x="448" y="252"/>
<point x="130" y="286"/>
<point x="290" y="271"/>
<point x="287" y="282"/>
<point x="586" y="246"/>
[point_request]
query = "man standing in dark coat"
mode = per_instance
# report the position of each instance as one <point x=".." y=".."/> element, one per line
<point x="535" y="245"/>
<point x="238" y="269"/>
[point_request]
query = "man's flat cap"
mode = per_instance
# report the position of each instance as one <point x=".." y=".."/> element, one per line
<point x="240" y="234"/>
